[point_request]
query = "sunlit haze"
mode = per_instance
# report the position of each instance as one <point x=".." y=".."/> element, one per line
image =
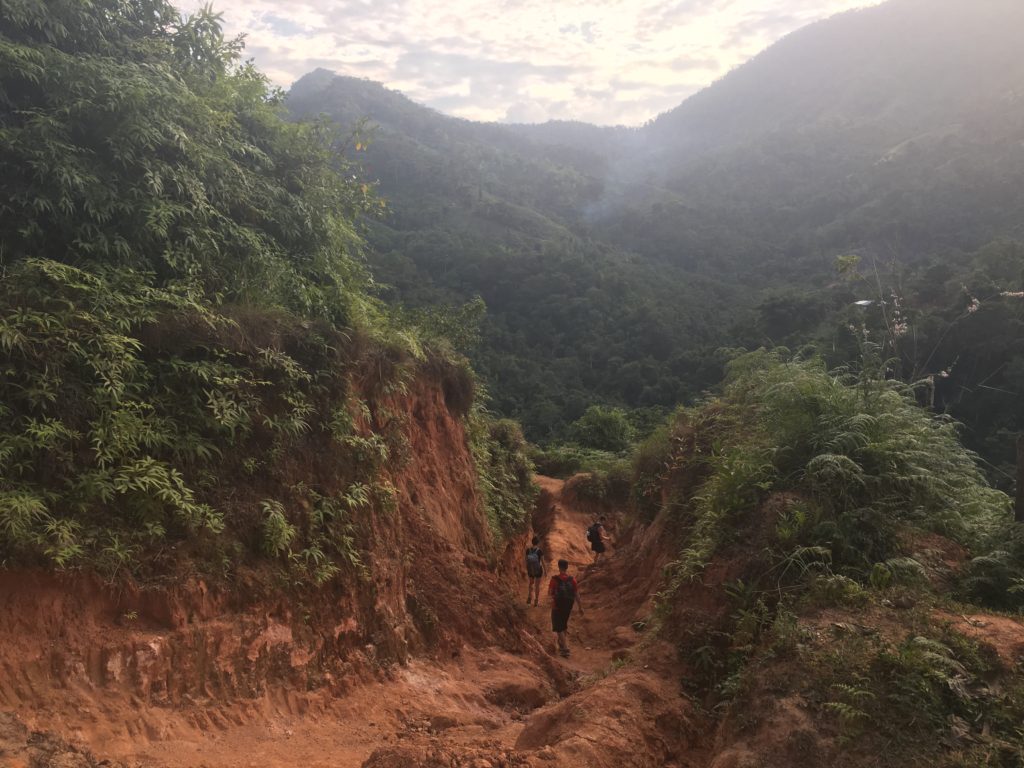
<point x="600" y="61"/>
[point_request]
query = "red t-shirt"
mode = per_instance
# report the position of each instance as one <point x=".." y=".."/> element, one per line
<point x="553" y="584"/>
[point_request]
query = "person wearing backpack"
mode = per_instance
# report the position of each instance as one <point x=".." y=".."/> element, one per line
<point x="534" y="571"/>
<point x="597" y="537"/>
<point x="565" y="593"/>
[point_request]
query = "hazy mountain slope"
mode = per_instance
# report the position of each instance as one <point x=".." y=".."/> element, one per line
<point x="902" y="67"/>
<point x="504" y="212"/>
<point x="614" y="261"/>
<point x="898" y="128"/>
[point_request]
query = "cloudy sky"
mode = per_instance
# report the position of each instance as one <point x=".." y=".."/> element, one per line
<point x="603" y="61"/>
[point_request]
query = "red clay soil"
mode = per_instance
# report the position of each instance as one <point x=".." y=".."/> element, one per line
<point x="192" y="676"/>
<point x="1003" y="634"/>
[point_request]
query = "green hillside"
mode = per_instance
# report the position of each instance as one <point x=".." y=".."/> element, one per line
<point x="895" y="128"/>
<point x="185" y="312"/>
<point x="502" y="213"/>
<point x="614" y="262"/>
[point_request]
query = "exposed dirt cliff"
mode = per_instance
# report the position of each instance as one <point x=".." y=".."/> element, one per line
<point x="151" y="670"/>
<point x="443" y="666"/>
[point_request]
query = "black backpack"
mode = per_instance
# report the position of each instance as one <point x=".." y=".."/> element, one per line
<point x="565" y="595"/>
<point x="533" y="567"/>
<point x="592" y="534"/>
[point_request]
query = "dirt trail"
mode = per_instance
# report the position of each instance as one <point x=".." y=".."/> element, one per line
<point x="483" y="707"/>
<point x="563" y="535"/>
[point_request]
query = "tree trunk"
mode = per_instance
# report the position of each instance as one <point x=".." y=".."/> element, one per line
<point x="1020" y="478"/>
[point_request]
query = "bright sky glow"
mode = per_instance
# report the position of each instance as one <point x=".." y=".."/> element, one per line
<point x="602" y="61"/>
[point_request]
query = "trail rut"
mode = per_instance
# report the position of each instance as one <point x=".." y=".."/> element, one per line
<point x="484" y="703"/>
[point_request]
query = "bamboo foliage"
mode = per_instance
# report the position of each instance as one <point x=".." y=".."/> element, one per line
<point x="150" y="187"/>
<point x="131" y="136"/>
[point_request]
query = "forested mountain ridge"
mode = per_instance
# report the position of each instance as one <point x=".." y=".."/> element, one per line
<point x="897" y="127"/>
<point x="903" y="66"/>
<point x="499" y="212"/>
<point x="615" y="261"/>
<point x="412" y="145"/>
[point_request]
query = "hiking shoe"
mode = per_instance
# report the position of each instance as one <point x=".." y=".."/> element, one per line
<point x="564" y="653"/>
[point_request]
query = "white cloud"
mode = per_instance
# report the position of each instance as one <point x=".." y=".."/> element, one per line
<point x="604" y="61"/>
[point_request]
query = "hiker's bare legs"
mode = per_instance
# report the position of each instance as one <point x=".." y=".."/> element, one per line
<point x="563" y="642"/>
<point x="533" y="590"/>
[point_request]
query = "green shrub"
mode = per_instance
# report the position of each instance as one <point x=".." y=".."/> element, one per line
<point x="651" y="459"/>
<point x="611" y="485"/>
<point x="603" y="429"/>
<point x="848" y="459"/>
<point x="996" y="577"/>
<point x="908" y="694"/>
<point x="564" y="461"/>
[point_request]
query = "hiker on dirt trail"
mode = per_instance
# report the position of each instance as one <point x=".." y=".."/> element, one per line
<point x="534" y="570"/>
<point x="565" y="592"/>
<point x="597" y="536"/>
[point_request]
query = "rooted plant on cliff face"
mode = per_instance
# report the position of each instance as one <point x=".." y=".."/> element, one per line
<point x="932" y="695"/>
<point x="130" y="410"/>
<point x="504" y="473"/>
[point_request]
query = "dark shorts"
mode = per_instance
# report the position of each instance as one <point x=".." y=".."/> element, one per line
<point x="535" y="574"/>
<point x="597" y="546"/>
<point x="559" y="620"/>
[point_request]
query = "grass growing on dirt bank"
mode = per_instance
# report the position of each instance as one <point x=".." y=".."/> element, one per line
<point x="802" y="493"/>
<point x="505" y="473"/>
<point x="882" y="688"/>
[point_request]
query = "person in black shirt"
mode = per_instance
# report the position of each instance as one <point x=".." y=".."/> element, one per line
<point x="534" y="571"/>
<point x="598" y="537"/>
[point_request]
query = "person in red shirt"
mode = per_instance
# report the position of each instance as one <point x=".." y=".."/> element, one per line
<point x="565" y="593"/>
